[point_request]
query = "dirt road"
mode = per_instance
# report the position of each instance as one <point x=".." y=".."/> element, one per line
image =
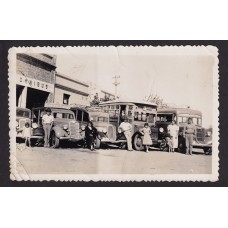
<point x="40" y="160"/>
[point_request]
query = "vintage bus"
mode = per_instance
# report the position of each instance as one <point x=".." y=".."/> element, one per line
<point x="181" y="115"/>
<point x="137" y="112"/>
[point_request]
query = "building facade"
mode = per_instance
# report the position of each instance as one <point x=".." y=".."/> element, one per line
<point x="35" y="79"/>
<point x="70" y="91"/>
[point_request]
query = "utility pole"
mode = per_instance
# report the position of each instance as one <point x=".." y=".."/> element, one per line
<point x="116" y="83"/>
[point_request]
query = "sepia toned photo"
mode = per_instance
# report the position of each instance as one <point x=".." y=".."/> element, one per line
<point x="114" y="113"/>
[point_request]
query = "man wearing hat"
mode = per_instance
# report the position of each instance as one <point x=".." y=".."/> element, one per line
<point x="47" y="121"/>
<point x="126" y="128"/>
<point x="189" y="133"/>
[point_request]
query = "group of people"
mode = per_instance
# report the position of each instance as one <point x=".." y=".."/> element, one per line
<point x="189" y="133"/>
<point x="125" y="127"/>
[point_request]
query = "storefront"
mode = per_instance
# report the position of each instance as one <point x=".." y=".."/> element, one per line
<point x="70" y="91"/>
<point x="35" y="80"/>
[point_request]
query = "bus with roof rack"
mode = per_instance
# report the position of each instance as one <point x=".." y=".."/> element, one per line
<point x="112" y="113"/>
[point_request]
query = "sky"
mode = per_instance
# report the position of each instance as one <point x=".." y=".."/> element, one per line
<point x="179" y="75"/>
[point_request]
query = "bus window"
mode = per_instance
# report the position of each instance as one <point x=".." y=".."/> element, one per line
<point x="194" y="119"/>
<point x="199" y="121"/>
<point x="130" y="113"/>
<point x="130" y="107"/>
<point x="180" y="119"/>
<point x="165" y="118"/>
<point x="139" y="116"/>
<point x="150" y="118"/>
<point x="185" y="119"/>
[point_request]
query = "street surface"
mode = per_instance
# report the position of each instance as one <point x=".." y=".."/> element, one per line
<point x="39" y="160"/>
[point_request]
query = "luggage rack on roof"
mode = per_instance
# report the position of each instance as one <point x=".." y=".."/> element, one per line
<point x="54" y="105"/>
<point x="94" y="108"/>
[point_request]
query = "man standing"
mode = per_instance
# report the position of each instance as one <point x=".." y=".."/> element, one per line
<point x="173" y="131"/>
<point x="47" y="121"/>
<point x="126" y="128"/>
<point x="189" y="133"/>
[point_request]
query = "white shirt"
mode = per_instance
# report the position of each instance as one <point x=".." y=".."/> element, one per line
<point x="125" y="126"/>
<point x="173" y="130"/>
<point x="47" y="119"/>
<point x="26" y="132"/>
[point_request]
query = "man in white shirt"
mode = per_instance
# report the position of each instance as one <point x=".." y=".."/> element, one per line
<point x="47" y="121"/>
<point x="126" y="128"/>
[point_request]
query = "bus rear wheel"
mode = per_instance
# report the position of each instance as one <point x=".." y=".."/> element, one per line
<point x="97" y="143"/>
<point x="137" y="142"/>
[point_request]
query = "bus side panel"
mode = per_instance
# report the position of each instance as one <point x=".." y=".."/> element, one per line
<point x="114" y="121"/>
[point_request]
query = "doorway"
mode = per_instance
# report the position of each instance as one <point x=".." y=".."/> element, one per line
<point x="36" y="98"/>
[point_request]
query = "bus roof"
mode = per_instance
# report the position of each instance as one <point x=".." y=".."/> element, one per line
<point x="121" y="101"/>
<point x="179" y="111"/>
<point x="99" y="113"/>
<point x="61" y="110"/>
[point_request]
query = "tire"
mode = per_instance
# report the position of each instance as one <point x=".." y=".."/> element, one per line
<point x="137" y="142"/>
<point x="97" y="143"/>
<point x="54" y="140"/>
<point x="164" y="146"/>
<point x="207" y="151"/>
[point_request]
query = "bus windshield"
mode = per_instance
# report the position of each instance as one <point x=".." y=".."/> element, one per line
<point x="184" y="119"/>
<point x="59" y="115"/>
<point x="23" y="113"/>
<point x="165" y="117"/>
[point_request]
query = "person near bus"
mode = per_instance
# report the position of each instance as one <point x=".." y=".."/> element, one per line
<point x="189" y="133"/>
<point x="173" y="131"/>
<point x="90" y="135"/>
<point x="126" y="128"/>
<point x="47" y="121"/>
<point x="27" y="130"/>
<point x="146" y="132"/>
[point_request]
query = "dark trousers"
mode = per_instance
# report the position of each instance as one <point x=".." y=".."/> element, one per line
<point x="189" y="143"/>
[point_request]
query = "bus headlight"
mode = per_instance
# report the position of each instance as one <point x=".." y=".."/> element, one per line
<point x="83" y="127"/>
<point x="34" y="125"/>
<point x="65" y="127"/>
<point x="104" y="130"/>
<point x="161" y="129"/>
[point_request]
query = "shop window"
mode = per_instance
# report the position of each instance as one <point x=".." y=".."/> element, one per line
<point x="66" y="98"/>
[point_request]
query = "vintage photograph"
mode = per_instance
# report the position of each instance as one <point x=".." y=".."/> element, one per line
<point x="111" y="113"/>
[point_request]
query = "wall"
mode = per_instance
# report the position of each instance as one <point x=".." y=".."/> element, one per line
<point x="77" y="90"/>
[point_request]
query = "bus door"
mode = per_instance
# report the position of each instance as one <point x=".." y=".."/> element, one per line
<point x="122" y="113"/>
<point x="114" y="111"/>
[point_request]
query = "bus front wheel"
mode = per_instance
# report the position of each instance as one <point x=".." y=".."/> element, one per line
<point x="137" y="142"/>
